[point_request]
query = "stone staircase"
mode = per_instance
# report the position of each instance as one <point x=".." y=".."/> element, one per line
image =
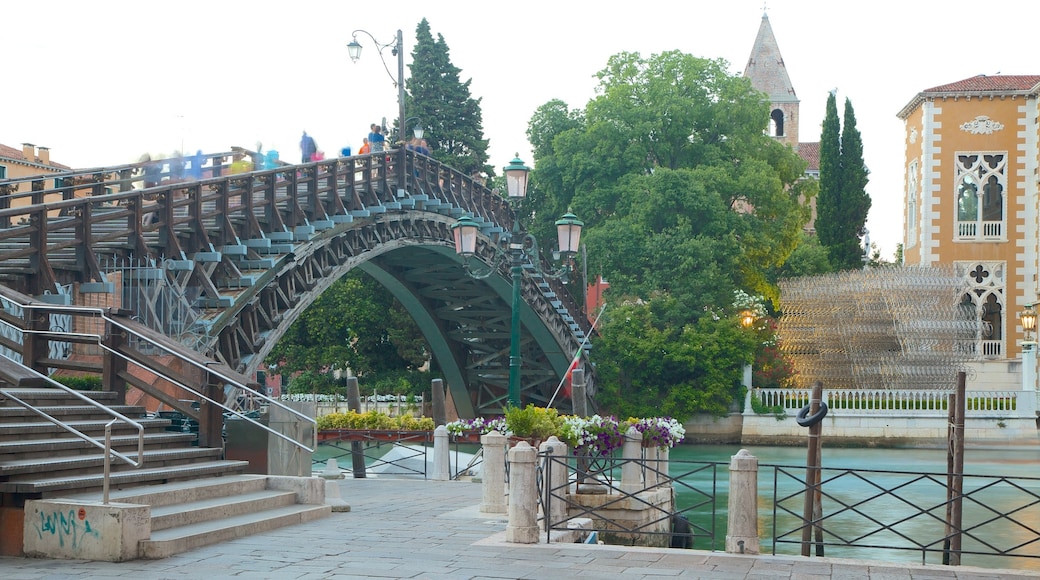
<point x="194" y="497"/>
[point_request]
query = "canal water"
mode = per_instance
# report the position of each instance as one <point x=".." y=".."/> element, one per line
<point x="895" y="512"/>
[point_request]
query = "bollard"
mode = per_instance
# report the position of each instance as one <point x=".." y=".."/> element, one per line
<point x="493" y="473"/>
<point x="652" y="477"/>
<point x="632" y="454"/>
<point x="663" y="454"/>
<point x="742" y="523"/>
<point x="332" y="496"/>
<point x="523" y="495"/>
<point x="440" y="413"/>
<point x="556" y="489"/>
<point x="441" y="469"/>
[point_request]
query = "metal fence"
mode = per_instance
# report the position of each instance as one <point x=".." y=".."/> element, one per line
<point x="904" y="511"/>
<point x="865" y="513"/>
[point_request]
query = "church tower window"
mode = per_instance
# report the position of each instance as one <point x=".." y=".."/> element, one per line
<point x="777" y="124"/>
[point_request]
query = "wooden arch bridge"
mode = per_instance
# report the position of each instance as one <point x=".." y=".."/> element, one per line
<point x="217" y="261"/>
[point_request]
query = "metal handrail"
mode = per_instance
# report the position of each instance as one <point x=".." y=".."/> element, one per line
<point x="107" y="446"/>
<point x="103" y="314"/>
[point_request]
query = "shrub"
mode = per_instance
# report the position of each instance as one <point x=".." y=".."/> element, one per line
<point x="81" y="383"/>
<point x="373" y="421"/>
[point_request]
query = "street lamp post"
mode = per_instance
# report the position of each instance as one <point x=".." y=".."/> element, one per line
<point x="519" y="247"/>
<point x="396" y="49"/>
<point x="1028" y="320"/>
<point x="747" y="319"/>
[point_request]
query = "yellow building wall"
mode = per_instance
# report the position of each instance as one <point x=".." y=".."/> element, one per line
<point x="952" y="140"/>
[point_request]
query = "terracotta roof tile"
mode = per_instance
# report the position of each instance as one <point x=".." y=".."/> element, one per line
<point x="17" y="155"/>
<point x="976" y="85"/>
<point x="11" y="153"/>
<point x="983" y="83"/>
<point x="810" y="152"/>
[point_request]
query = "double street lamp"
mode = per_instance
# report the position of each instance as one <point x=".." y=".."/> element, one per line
<point x="519" y="247"/>
<point x="396" y="49"/>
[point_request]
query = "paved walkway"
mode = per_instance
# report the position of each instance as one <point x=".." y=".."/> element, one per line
<point x="400" y="528"/>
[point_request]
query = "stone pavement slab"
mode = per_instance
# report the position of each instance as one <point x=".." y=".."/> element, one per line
<point x="402" y="528"/>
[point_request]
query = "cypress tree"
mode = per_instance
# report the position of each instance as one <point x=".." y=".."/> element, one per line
<point x="451" y="117"/>
<point x="854" y="198"/>
<point x="843" y="203"/>
<point x="828" y="201"/>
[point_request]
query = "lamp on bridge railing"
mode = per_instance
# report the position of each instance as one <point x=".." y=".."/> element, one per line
<point x="396" y="49"/>
<point x="518" y="248"/>
<point x="1028" y="320"/>
<point x="418" y="130"/>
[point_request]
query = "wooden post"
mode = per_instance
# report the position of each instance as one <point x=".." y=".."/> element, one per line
<point x="440" y="413"/>
<point x="955" y="474"/>
<point x="812" y="477"/>
<point x="357" y="453"/>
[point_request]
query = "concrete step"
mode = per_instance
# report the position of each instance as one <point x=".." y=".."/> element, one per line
<point x="69" y="412"/>
<point x="179" y="492"/>
<point x="165" y="543"/>
<point x="52" y="487"/>
<point x="52" y="397"/>
<point x="29" y="448"/>
<point x="219" y="508"/>
<point x="94" y="428"/>
<point x="59" y="466"/>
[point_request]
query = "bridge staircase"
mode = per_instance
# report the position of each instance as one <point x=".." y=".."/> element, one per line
<point x="52" y="448"/>
<point x="195" y="496"/>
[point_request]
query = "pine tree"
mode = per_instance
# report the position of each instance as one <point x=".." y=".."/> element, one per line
<point x="443" y="105"/>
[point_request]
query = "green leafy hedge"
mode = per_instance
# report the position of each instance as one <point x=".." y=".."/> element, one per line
<point x="374" y="420"/>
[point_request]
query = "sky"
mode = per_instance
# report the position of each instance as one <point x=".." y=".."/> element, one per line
<point x="103" y="82"/>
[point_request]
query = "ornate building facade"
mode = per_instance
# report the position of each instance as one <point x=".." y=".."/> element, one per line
<point x="970" y="198"/>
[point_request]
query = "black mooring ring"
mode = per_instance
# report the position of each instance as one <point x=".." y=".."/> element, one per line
<point x="815" y="418"/>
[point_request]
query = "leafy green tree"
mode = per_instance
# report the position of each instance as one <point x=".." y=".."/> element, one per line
<point x="651" y="367"/>
<point x="842" y="205"/>
<point x="679" y="188"/>
<point x="346" y="328"/>
<point x="685" y="200"/>
<point x="451" y="116"/>
<point x="808" y="259"/>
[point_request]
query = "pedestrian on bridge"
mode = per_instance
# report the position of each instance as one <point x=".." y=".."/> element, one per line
<point x="308" y="147"/>
<point x="376" y="140"/>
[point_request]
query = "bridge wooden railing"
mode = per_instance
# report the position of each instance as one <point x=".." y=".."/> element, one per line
<point x="54" y="236"/>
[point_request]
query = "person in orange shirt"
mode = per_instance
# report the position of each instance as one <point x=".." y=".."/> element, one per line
<point x="364" y="148"/>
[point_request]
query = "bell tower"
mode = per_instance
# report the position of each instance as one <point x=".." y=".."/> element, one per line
<point x="768" y="73"/>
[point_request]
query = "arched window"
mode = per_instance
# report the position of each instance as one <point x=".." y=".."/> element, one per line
<point x="985" y="300"/>
<point x="980" y="185"/>
<point x="911" y="205"/>
<point x="777" y="125"/>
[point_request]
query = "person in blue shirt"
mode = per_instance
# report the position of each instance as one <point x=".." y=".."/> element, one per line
<point x="376" y="140"/>
<point x="307" y="147"/>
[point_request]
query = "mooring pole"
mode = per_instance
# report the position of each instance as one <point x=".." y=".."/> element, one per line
<point x="812" y="476"/>
<point x="955" y="474"/>
<point x="357" y="453"/>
